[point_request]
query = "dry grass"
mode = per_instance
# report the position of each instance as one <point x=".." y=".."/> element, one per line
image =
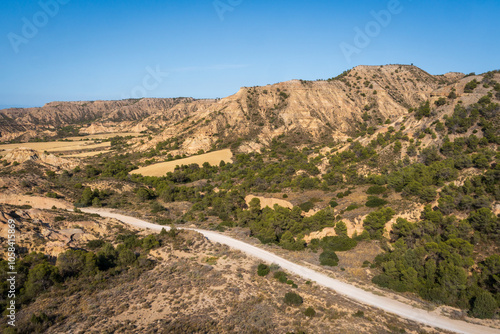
<point x="160" y="169"/>
<point x="56" y="146"/>
<point x="266" y="201"/>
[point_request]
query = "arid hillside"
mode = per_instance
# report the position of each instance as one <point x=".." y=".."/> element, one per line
<point x="48" y="121"/>
<point x="329" y="109"/>
<point x="181" y="283"/>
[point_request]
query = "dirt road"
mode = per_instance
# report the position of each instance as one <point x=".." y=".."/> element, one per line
<point x="387" y="304"/>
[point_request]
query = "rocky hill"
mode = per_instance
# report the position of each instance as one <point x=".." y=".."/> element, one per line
<point x="329" y="109"/>
<point x="26" y="123"/>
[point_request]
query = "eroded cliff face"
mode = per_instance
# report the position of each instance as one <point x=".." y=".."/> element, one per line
<point x="24" y="154"/>
<point x="30" y="122"/>
<point x="312" y="110"/>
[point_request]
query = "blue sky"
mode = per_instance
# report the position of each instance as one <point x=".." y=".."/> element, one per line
<point x="91" y="50"/>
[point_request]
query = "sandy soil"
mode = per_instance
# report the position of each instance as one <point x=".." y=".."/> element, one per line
<point x="34" y="201"/>
<point x="357" y="294"/>
<point x="265" y="201"/>
<point x="160" y="169"/>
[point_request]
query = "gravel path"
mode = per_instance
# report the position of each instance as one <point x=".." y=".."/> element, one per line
<point x="387" y="304"/>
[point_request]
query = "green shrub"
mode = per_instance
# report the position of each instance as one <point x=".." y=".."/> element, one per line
<point x="280" y="276"/>
<point x="375" y="222"/>
<point x="333" y="203"/>
<point x="292" y="298"/>
<point x="306" y="206"/>
<point x="263" y="270"/>
<point x="423" y="111"/>
<point x="376" y="190"/>
<point x="157" y="207"/>
<point x="352" y="207"/>
<point x="359" y="314"/>
<point x="126" y="257"/>
<point x="310" y="312"/>
<point x="71" y="262"/>
<point x="338" y="243"/>
<point x="484" y="306"/>
<point x="374" y="202"/>
<point x="344" y="194"/>
<point x="470" y="86"/>
<point x="150" y="242"/>
<point x="329" y="258"/>
<point x="144" y="194"/>
<point x="440" y="102"/>
<point x="94" y="244"/>
<point x="39" y="319"/>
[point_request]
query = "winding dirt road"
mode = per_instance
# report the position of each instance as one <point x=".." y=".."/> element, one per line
<point x="389" y="305"/>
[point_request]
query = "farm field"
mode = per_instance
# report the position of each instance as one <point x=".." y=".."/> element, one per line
<point x="160" y="169"/>
<point x="56" y="146"/>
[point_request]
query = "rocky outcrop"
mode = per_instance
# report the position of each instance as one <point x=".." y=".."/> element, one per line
<point x="24" y="154"/>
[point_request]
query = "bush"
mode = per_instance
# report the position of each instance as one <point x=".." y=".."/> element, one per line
<point x="333" y="203"/>
<point x="52" y="195"/>
<point x="40" y="278"/>
<point x="126" y="257"/>
<point x="306" y="206"/>
<point x="263" y="270"/>
<point x="338" y="243"/>
<point x="470" y="86"/>
<point x="374" y="202"/>
<point x="329" y="258"/>
<point x="310" y="312"/>
<point x="375" y="222"/>
<point x="359" y="314"/>
<point x="423" y="111"/>
<point x="376" y="190"/>
<point x="440" y="102"/>
<point x="352" y="207"/>
<point x="144" y="194"/>
<point x="280" y="276"/>
<point x="71" y="263"/>
<point x="150" y="242"/>
<point x="484" y="306"/>
<point x="156" y="207"/>
<point x="94" y="244"/>
<point x="292" y="298"/>
<point x="344" y="194"/>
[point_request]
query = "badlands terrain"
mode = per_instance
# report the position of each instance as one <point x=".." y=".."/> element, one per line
<point x="384" y="178"/>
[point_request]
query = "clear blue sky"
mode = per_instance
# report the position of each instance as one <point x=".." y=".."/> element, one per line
<point x="90" y="49"/>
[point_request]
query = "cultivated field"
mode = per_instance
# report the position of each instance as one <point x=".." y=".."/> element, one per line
<point x="56" y="146"/>
<point x="160" y="169"/>
<point x="75" y="144"/>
